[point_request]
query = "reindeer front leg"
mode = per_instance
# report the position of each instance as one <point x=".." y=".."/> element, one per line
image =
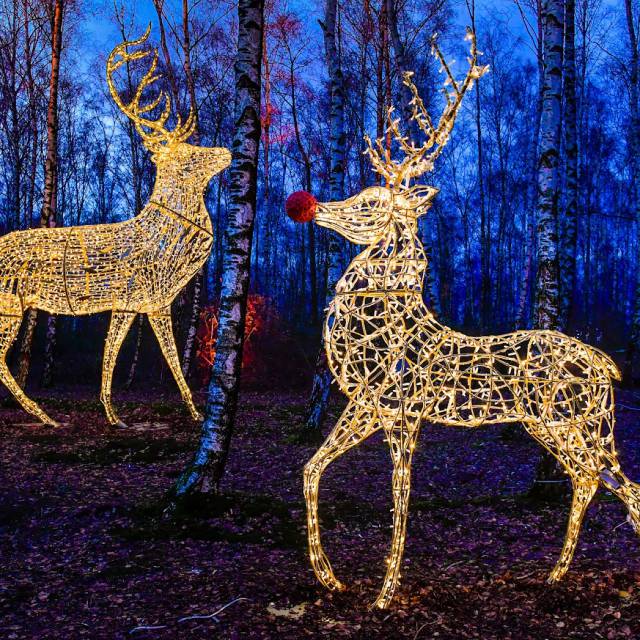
<point x="355" y="425"/>
<point x="402" y="436"/>
<point x="162" y="327"/>
<point x="118" y="328"/>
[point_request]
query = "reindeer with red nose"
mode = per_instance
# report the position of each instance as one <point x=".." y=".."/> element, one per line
<point x="399" y="366"/>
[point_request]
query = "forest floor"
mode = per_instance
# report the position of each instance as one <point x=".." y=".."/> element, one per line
<point x="85" y="554"/>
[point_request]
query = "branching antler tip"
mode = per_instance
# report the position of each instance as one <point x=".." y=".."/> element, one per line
<point x="416" y="161"/>
<point x="153" y="132"/>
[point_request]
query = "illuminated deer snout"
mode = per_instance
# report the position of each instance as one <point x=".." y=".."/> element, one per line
<point x="363" y="218"/>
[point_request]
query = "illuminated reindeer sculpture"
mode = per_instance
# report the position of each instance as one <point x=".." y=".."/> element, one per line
<point x="399" y="366"/>
<point x="136" y="266"/>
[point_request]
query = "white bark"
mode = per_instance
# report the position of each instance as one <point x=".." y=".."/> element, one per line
<point x="547" y="288"/>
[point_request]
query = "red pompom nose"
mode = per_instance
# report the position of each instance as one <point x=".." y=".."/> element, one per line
<point x="301" y="206"/>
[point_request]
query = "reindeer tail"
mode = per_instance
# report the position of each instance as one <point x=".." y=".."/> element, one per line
<point x="627" y="491"/>
<point x="633" y="505"/>
<point x="608" y="363"/>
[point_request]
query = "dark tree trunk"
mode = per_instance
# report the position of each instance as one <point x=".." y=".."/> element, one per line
<point x="569" y="222"/>
<point x="50" y="196"/>
<point x="222" y="398"/>
<point x="49" y="199"/>
<point x="196" y="290"/>
<point x="319" y="399"/>
<point x="632" y="359"/>
<point x="173" y="85"/>
<point x="306" y="162"/>
<point x="136" y="353"/>
<point x="33" y="113"/>
<point x="485" y="220"/>
<point x="523" y="315"/>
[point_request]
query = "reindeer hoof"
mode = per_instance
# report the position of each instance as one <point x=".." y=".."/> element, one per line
<point x="333" y="584"/>
<point x="382" y="602"/>
<point x="555" y="577"/>
<point x="119" y="425"/>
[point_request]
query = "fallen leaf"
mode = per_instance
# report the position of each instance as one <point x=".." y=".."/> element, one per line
<point x="294" y="613"/>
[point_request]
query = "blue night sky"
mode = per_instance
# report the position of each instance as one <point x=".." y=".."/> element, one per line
<point x="100" y="30"/>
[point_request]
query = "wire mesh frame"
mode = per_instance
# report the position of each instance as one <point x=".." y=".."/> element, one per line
<point x="130" y="267"/>
<point x="398" y="365"/>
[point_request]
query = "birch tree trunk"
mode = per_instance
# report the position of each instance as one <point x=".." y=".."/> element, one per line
<point x="222" y="398"/>
<point x="319" y="399"/>
<point x="569" y="222"/>
<point x="632" y="359"/>
<point x="549" y="483"/>
<point x="50" y="196"/>
<point x="547" y="288"/>
<point x="49" y="199"/>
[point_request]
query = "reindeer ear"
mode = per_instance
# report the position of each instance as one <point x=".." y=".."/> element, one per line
<point x="420" y="198"/>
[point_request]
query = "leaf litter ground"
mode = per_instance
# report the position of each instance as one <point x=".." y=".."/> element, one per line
<point x="85" y="551"/>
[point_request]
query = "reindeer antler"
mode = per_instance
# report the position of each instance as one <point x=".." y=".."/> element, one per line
<point x="417" y="161"/>
<point x="154" y="134"/>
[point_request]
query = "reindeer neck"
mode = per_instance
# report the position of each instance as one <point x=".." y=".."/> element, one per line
<point x="181" y="198"/>
<point x="396" y="265"/>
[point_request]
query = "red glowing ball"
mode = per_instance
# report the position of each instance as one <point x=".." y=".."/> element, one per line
<point x="301" y="206"/>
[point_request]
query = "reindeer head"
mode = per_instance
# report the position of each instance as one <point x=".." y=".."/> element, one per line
<point x="363" y="218"/>
<point x="169" y="148"/>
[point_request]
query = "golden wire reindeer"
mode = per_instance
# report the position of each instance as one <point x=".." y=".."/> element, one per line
<point x="131" y="267"/>
<point x="399" y="366"/>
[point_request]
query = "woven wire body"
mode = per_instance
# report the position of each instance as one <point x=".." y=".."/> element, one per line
<point x="130" y="267"/>
<point x="137" y="266"/>
<point x="384" y="345"/>
<point x="398" y="365"/>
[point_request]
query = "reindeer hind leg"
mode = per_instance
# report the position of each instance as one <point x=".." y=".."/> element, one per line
<point x="9" y="326"/>
<point x="118" y="328"/>
<point x="584" y="488"/>
<point x="577" y="446"/>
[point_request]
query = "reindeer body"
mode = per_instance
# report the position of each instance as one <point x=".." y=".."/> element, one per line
<point x="399" y="366"/>
<point x="383" y="342"/>
<point x="130" y="267"/>
<point x="137" y="266"/>
<point x="379" y="330"/>
<point x="380" y="337"/>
